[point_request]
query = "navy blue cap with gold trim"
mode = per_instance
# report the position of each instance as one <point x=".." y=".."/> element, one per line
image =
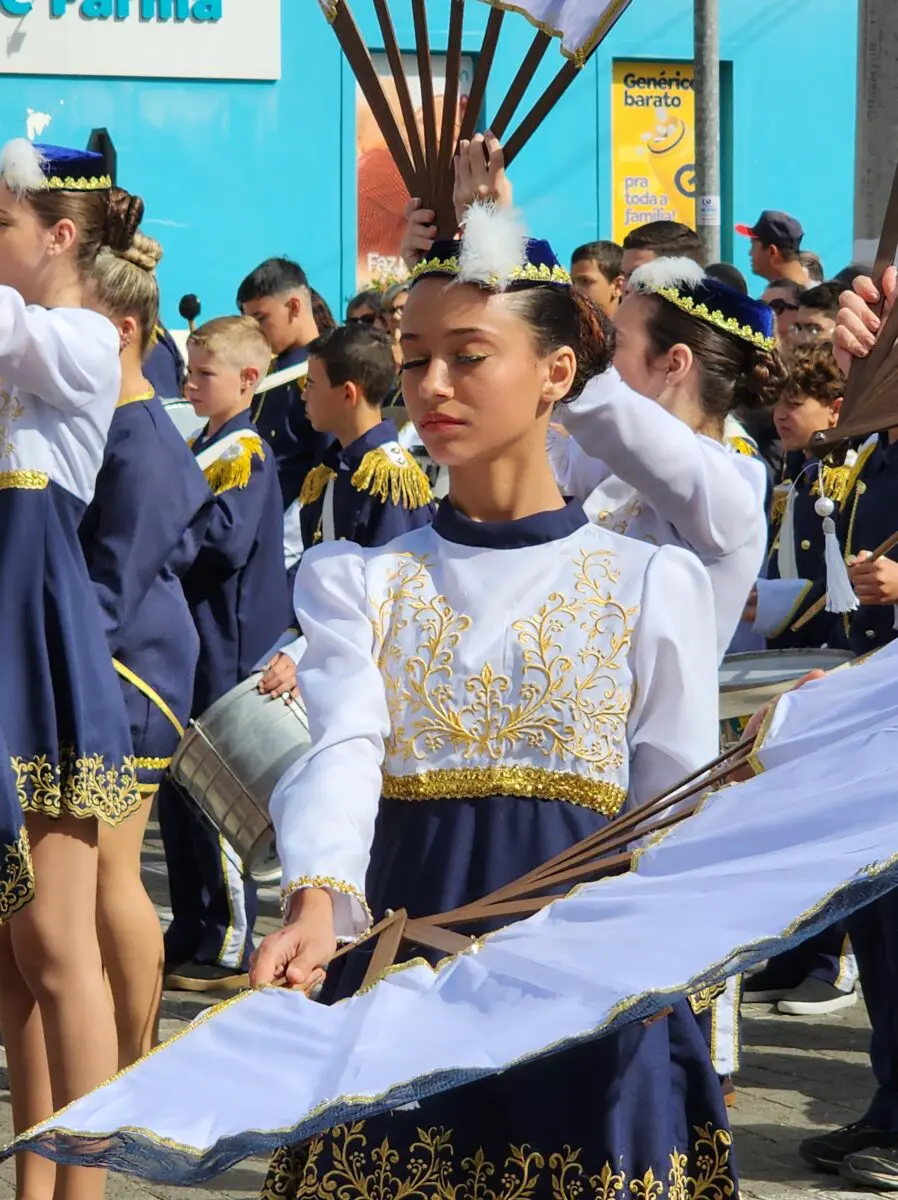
<point x="30" y="167"/>
<point x="73" y="170"/>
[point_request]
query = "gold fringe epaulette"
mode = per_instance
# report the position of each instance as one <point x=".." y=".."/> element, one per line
<point x="391" y="474"/>
<point x="235" y="466"/>
<point x="835" y="483"/>
<point x="860" y="462"/>
<point x="742" y="446"/>
<point x="315" y="483"/>
<point x="778" y="505"/>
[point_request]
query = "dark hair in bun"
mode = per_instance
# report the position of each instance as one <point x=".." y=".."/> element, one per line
<point x="123" y="216"/>
<point x="102" y="218"/>
<point x="561" y="316"/>
<point x="734" y="372"/>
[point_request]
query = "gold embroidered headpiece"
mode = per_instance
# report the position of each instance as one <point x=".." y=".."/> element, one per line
<point x="683" y="283"/>
<point x="494" y="252"/>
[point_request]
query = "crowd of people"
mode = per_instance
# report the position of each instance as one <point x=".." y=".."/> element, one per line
<point x="492" y="529"/>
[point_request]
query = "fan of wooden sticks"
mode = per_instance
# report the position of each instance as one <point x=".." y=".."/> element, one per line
<point x="606" y="852"/>
<point x="426" y="164"/>
<point x="871" y="392"/>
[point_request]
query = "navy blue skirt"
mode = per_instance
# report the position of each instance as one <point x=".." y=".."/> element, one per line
<point x="636" y="1114"/>
<point x="61" y="708"/>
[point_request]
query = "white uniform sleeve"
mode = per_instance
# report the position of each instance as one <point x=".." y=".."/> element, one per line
<point x="325" y="807"/>
<point x="710" y="495"/>
<point x="64" y="356"/>
<point x="576" y="473"/>
<point x="673" y="726"/>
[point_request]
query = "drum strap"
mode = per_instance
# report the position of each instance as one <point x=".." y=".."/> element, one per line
<point x="152" y="695"/>
<point x="328" y="527"/>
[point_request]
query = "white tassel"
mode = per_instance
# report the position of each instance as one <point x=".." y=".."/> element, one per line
<point x="840" y="597"/>
<point x="21" y="166"/>
<point x="494" y="243"/>
<point x="661" y="273"/>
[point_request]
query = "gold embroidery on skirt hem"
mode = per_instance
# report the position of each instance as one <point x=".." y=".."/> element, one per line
<point x="82" y="787"/>
<point x="16" y="876"/>
<point x="427" y="1171"/>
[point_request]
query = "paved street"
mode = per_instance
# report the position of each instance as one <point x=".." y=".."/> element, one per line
<point x="800" y="1075"/>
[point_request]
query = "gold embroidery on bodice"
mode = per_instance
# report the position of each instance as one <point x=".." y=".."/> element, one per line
<point x="564" y="700"/>
<point x="10" y="412"/>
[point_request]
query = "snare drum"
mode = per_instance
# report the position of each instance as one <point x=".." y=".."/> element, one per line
<point x="749" y="681"/>
<point x="229" y="762"/>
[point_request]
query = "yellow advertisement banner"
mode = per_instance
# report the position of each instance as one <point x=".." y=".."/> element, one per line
<point x="652" y="144"/>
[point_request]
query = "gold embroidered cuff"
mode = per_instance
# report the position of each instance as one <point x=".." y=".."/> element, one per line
<point x="473" y="783"/>
<point x="329" y="884"/>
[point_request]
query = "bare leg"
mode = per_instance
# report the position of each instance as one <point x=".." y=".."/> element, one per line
<point x="29" y="1074"/>
<point x="58" y="954"/>
<point x="130" y="936"/>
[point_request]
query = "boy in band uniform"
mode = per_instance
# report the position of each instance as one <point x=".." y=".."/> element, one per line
<point x="277" y="295"/>
<point x="368" y="490"/>
<point x="237" y="592"/>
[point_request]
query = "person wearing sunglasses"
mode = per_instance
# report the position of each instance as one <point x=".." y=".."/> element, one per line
<point x="783" y="296"/>
<point x="363" y="309"/>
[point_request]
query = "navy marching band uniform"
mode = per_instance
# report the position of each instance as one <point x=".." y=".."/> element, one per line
<point x="280" y="417"/>
<point x="368" y="492"/>
<point x="237" y="593"/>
<point x="140" y="534"/>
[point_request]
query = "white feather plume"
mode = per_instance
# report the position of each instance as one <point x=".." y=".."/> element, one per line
<point x="494" y="242"/>
<point x="21" y="167"/>
<point x="666" y="273"/>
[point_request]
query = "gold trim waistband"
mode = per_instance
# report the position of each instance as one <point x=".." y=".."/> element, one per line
<point x="30" y="481"/>
<point x="474" y="783"/>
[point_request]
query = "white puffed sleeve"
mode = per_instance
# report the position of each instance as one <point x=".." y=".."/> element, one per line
<point x="325" y="807"/>
<point x="673" y="726"/>
<point x="65" y="356"/>
<point x="576" y="473"/>
<point x="712" y="497"/>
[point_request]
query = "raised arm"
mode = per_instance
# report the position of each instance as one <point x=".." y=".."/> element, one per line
<point x="711" y="496"/>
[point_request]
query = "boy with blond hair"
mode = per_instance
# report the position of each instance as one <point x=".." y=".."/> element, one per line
<point x="237" y="592"/>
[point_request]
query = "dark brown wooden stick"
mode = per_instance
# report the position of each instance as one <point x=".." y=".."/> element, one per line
<point x="387" y="947"/>
<point x="368" y="80"/>
<point x="520" y="83"/>
<point x="445" y="209"/>
<point x="394" y="57"/>
<point x="538" y="113"/>
<point x="696" y="782"/>
<point x="425" y="75"/>
<point x="481" y="73"/>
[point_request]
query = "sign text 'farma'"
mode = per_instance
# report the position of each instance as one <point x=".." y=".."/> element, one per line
<point x="121" y="10"/>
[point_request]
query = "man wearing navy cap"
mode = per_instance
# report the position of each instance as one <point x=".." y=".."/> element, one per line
<point x="775" y="245"/>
